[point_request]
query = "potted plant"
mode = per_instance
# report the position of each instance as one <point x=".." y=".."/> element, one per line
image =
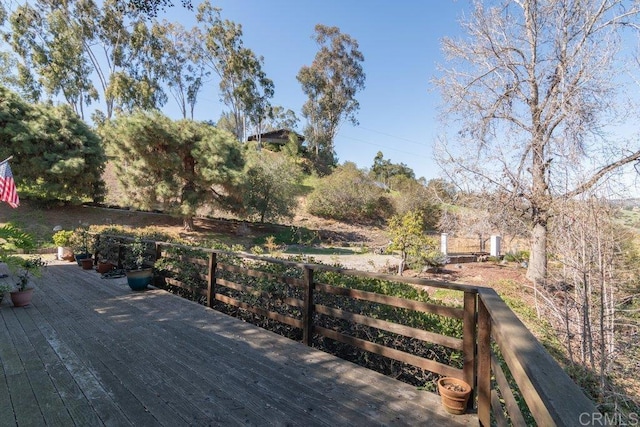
<point x="26" y="269"/>
<point x="455" y="394"/>
<point x="106" y="250"/>
<point x="138" y="265"/>
<point x="62" y="239"/>
<point x="80" y="245"/>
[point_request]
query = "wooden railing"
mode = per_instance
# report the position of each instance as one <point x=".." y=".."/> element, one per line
<point x="514" y="379"/>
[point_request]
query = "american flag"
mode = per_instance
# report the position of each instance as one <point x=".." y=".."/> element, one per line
<point x="8" y="192"/>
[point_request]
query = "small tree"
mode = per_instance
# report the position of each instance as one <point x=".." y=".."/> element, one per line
<point x="271" y="183"/>
<point x="407" y="236"/>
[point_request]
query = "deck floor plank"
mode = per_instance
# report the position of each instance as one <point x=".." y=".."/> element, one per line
<point x="101" y="354"/>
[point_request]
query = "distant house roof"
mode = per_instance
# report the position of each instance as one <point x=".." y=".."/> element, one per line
<point x="280" y="136"/>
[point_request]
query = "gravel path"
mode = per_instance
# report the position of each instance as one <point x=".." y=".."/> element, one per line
<point x="362" y="262"/>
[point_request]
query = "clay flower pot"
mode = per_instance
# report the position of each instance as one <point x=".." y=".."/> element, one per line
<point x="87" y="263"/>
<point x="455" y="394"/>
<point x="21" y="298"/>
<point x="104" y="267"/>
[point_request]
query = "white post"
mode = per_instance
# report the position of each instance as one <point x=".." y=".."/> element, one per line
<point x="495" y="246"/>
<point x="443" y="243"/>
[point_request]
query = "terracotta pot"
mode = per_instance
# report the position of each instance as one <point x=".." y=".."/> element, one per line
<point x="87" y="263"/>
<point x="455" y="394"/>
<point x="104" y="267"/>
<point x="21" y="298"/>
<point x="80" y="257"/>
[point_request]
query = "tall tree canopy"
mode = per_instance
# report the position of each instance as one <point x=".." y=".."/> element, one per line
<point x="56" y="156"/>
<point x="151" y="7"/>
<point x="244" y="86"/>
<point x="538" y="89"/>
<point x="331" y="83"/>
<point x="84" y="51"/>
<point x="177" y="166"/>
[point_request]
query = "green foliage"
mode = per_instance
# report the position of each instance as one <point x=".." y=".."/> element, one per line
<point x="79" y="240"/>
<point x="13" y="238"/>
<point x="270" y="186"/>
<point x="178" y="166"/>
<point x="383" y="170"/>
<point x="407" y="236"/>
<point x="519" y="256"/>
<point x="137" y="254"/>
<point x="292" y="236"/>
<point x="244" y="86"/>
<point x="410" y="195"/>
<point x="25" y="269"/>
<point x="331" y="83"/>
<point x="55" y="154"/>
<point x="51" y="47"/>
<point x="62" y="237"/>
<point x="348" y="194"/>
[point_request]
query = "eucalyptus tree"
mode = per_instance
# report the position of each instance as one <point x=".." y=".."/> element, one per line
<point x="87" y="50"/>
<point x="539" y="91"/>
<point x="138" y="85"/>
<point x="244" y="86"/>
<point x="51" y="48"/>
<point x="151" y="7"/>
<point x="331" y="83"/>
<point x="178" y="166"/>
<point x="182" y="69"/>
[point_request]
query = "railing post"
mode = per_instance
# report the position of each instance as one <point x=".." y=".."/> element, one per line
<point x="158" y="250"/>
<point x="307" y="309"/>
<point x="211" y="282"/>
<point x="484" y="364"/>
<point x="96" y="245"/>
<point x="469" y="341"/>
<point x="120" y="254"/>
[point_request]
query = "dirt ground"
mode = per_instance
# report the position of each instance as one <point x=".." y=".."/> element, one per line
<point x="333" y="233"/>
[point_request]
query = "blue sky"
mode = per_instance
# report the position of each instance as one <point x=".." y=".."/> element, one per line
<point x="400" y="42"/>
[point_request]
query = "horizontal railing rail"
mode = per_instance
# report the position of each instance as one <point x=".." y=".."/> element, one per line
<point x="514" y="379"/>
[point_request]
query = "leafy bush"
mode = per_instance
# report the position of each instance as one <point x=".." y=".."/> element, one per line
<point x="62" y="237"/>
<point x="348" y="194"/>
<point x="291" y="236"/>
<point x="519" y="256"/>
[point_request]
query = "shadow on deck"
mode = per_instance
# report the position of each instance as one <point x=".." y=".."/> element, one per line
<point x="89" y="351"/>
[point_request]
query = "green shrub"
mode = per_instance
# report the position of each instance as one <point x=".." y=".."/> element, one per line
<point x="518" y="256"/>
<point x="62" y="237"/>
<point x="348" y="194"/>
<point x="291" y="236"/>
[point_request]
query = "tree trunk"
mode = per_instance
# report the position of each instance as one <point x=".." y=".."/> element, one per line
<point x="403" y="260"/>
<point x="187" y="223"/>
<point x="537" y="270"/>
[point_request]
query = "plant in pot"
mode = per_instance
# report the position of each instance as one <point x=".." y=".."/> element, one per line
<point x="455" y="394"/>
<point x="26" y="268"/>
<point x="80" y="244"/>
<point x="106" y="250"/>
<point x="62" y="239"/>
<point x="138" y="265"/>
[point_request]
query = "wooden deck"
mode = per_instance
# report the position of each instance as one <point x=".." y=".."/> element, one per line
<point x="90" y="352"/>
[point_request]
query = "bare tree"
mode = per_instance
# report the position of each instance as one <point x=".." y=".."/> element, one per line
<point x="539" y="88"/>
<point x="588" y="285"/>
